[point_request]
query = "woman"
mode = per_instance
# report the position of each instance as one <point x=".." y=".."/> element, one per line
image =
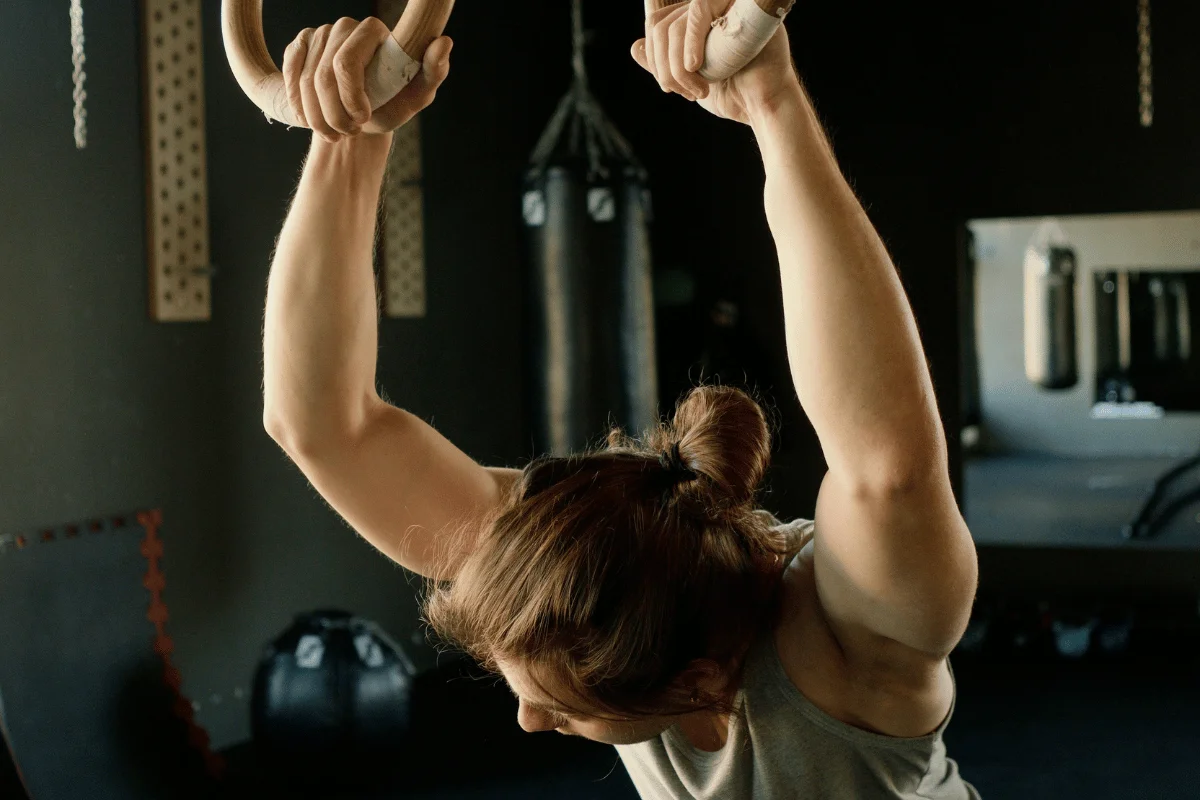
<point x="636" y="595"/>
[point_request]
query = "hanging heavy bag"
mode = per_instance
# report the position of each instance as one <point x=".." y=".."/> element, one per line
<point x="586" y="209"/>
<point x="592" y="312"/>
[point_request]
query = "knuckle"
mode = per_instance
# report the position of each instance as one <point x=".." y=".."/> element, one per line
<point x="343" y="66"/>
<point x="325" y="75"/>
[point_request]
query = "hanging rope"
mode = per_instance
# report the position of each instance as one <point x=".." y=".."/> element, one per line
<point x="1145" y="66"/>
<point x="78" y="76"/>
<point x="588" y="131"/>
<point x="579" y="41"/>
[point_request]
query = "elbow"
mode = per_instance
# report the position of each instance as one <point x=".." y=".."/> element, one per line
<point x="914" y="467"/>
<point x="303" y="431"/>
<point x="282" y="433"/>
<point x="300" y="440"/>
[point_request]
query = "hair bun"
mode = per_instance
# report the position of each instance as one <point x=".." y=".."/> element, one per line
<point x="722" y="433"/>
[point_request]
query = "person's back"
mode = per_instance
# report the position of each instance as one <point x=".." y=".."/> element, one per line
<point x="635" y="594"/>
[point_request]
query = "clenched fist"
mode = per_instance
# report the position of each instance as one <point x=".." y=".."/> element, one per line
<point x="324" y="70"/>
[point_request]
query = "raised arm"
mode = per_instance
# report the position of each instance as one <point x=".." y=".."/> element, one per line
<point x="395" y="480"/>
<point x="893" y="555"/>
<point x="894" y="560"/>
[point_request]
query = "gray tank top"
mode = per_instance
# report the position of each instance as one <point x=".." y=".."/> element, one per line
<point x="782" y="747"/>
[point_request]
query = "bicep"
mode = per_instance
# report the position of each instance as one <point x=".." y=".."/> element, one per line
<point x="406" y="489"/>
<point x="898" y="566"/>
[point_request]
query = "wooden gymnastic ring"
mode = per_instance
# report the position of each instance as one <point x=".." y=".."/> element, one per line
<point x="395" y="64"/>
<point x="739" y="36"/>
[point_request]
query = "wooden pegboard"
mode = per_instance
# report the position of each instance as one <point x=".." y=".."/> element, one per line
<point x="404" y="226"/>
<point x="403" y="229"/>
<point x="177" y="183"/>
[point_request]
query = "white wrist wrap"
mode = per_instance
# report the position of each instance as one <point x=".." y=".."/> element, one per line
<point x="737" y="38"/>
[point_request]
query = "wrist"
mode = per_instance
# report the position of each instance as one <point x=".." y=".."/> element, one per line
<point x="363" y="151"/>
<point x="359" y="160"/>
<point x="781" y="108"/>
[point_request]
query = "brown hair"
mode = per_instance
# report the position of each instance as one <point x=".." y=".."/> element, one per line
<point x="613" y="570"/>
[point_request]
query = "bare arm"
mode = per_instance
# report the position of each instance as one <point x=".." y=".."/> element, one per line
<point x="893" y="555"/>
<point x="894" y="562"/>
<point x="395" y="480"/>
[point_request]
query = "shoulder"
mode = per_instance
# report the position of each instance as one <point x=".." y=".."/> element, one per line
<point x="891" y="689"/>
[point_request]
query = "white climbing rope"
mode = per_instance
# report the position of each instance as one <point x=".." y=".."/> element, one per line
<point x="78" y="76"/>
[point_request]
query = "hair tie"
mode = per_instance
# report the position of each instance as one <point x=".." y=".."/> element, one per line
<point x="672" y="462"/>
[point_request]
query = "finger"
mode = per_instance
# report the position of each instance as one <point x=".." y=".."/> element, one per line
<point x="435" y="68"/>
<point x="293" y="65"/>
<point x="328" y="91"/>
<point x="662" y="53"/>
<point x="350" y="66"/>
<point x="692" y="85"/>
<point x="648" y="49"/>
<point x="308" y="91"/>
<point x="639" y="55"/>
<point x="653" y="18"/>
<point x="700" y="20"/>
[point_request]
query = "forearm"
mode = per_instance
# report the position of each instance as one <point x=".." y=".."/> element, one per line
<point x="852" y="340"/>
<point x="320" y="334"/>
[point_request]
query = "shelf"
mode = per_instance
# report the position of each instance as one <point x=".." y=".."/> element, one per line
<point x="1041" y="501"/>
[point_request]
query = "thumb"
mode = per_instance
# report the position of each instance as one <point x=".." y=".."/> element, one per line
<point x="435" y="67"/>
<point x="701" y="15"/>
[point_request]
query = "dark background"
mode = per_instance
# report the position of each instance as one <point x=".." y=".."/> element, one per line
<point x="938" y="114"/>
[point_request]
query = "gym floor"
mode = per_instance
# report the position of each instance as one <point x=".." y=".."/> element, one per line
<point x="1025" y="729"/>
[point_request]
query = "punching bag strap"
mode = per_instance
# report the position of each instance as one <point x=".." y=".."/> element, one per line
<point x="395" y="64"/>
<point x="579" y="127"/>
<point x="739" y="36"/>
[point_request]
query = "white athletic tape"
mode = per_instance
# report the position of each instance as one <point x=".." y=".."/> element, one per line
<point x="389" y="72"/>
<point x="737" y="39"/>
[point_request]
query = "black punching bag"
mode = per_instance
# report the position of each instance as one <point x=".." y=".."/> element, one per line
<point x="586" y="209"/>
<point x="332" y="690"/>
